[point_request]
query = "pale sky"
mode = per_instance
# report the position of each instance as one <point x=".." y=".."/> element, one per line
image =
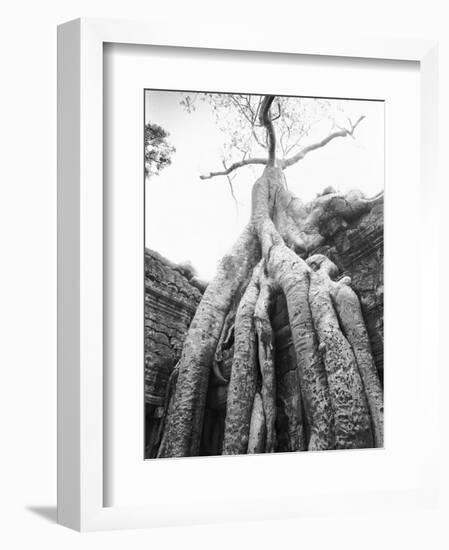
<point x="189" y="219"/>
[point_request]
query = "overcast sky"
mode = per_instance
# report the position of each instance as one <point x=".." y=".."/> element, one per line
<point x="188" y="219"/>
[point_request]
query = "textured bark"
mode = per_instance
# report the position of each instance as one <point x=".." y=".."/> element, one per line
<point x="184" y="423"/>
<point x="350" y="314"/>
<point x="351" y="414"/>
<point x="284" y="220"/>
<point x="257" y="430"/>
<point x="265" y="120"/>
<point x="290" y="420"/>
<point x="169" y="404"/>
<point x="266" y="361"/>
<point x="291" y="274"/>
<point x="221" y="366"/>
<point x="327" y="378"/>
<point x="242" y="386"/>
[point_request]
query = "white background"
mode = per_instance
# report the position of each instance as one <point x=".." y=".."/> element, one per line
<point x="182" y="486"/>
<point x="28" y="275"/>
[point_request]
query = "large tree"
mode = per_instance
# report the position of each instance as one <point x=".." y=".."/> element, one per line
<point x="338" y="386"/>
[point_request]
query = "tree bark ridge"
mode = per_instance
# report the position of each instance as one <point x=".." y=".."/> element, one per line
<point x="243" y="383"/>
<point x="335" y="374"/>
<point x="184" y="423"/>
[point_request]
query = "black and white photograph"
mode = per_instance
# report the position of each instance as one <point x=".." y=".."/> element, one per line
<point x="224" y="294"/>
<point x="263" y="273"/>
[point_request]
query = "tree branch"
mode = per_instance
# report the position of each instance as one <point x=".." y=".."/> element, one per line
<point x="301" y="154"/>
<point x="234" y="166"/>
<point x="266" y="121"/>
<point x="251" y="119"/>
<point x="231" y="188"/>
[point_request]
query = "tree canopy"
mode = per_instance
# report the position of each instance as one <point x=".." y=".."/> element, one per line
<point x="293" y="120"/>
<point x="158" y="150"/>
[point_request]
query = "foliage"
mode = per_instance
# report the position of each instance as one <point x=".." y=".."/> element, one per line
<point x="158" y="150"/>
<point x="237" y="116"/>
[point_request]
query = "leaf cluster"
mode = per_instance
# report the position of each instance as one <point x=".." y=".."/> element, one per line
<point x="158" y="150"/>
<point x="237" y="117"/>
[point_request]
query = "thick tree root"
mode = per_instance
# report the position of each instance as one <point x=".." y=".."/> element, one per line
<point x="348" y="310"/>
<point x="169" y="402"/>
<point x="335" y="381"/>
<point x="351" y="414"/>
<point x="266" y="359"/>
<point x="292" y="275"/>
<point x="347" y="307"/>
<point x="184" y="423"/>
<point x="222" y="366"/>
<point x="258" y="428"/>
<point x="350" y="314"/>
<point x="242" y="386"/>
<point x="289" y="397"/>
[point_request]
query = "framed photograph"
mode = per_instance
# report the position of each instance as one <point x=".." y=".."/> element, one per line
<point x="241" y="272"/>
<point x="263" y="389"/>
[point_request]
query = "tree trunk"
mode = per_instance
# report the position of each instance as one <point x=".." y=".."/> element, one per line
<point x="350" y="314"/>
<point x="257" y="430"/>
<point x="351" y="417"/>
<point x="184" y="425"/>
<point x="242" y="386"/>
<point x="266" y="359"/>
<point x="293" y="276"/>
<point x="335" y="378"/>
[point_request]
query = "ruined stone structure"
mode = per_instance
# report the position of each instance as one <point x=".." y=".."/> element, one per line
<point x="172" y="294"/>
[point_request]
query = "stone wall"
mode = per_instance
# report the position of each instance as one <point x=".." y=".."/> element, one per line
<point x="172" y="294"/>
<point x="358" y="250"/>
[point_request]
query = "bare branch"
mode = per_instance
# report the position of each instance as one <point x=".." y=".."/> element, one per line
<point x="252" y="118"/>
<point x="301" y="154"/>
<point x="265" y="120"/>
<point x="234" y="166"/>
<point x="231" y="187"/>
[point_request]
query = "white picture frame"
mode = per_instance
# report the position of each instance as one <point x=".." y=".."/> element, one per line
<point x="80" y="267"/>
